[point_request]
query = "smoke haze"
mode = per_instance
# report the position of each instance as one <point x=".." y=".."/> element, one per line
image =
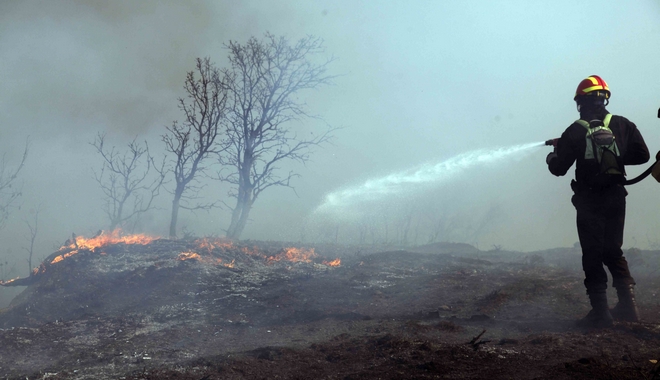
<point x="420" y="81"/>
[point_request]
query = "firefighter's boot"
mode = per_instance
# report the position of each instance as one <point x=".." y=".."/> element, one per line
<point x="599" y="316"/>
<point x="626" y="309"/>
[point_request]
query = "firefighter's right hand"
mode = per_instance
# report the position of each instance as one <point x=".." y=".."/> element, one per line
<point x="552" y="142"/>
<point x="550" y="157"/>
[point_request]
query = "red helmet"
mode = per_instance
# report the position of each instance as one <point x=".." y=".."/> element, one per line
<point x="593" y="86"/>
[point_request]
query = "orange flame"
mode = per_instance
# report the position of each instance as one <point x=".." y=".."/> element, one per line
<point x="64" y="256"/>
<point x="334" y="263"/>
<point x="291" y="254"/>
<point x="251" y="251"/>
<point x="8" y="281"/>
<point x="294" y="255"/>
<point x="210" y="244"/>
<point x="183" y="256"/>
<point x="37" y="270"/>
<point x="105" y="239"/>
<point x="101" y="240"/>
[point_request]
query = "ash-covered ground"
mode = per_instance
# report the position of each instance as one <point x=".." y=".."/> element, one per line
<point x="213" y="309"/>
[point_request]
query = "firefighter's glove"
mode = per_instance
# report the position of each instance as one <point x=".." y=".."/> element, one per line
<point x="550" y="157"/>
<point x="657" y="156"/>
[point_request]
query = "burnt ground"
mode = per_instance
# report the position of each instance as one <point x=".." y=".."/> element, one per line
<point x="438" y="311"/>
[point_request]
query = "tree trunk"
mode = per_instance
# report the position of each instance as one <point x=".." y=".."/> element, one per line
<point x="239" y="219"/>
<point x="235" y="216"/>
<point x="175" y="212"/>
<point x="241" y="213"/>
<point x="245" y="214"/>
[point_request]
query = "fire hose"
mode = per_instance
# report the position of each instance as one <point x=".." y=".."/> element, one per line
<point x="643" y="175"/>
<point x="656" y="173"/>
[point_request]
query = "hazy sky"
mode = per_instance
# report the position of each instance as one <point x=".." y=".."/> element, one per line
<point x="421" y="82"/>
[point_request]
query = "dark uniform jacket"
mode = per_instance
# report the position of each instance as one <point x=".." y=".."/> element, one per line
<point x="572" y="145"/>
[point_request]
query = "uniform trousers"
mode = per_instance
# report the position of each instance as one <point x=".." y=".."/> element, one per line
<point x="601" y="217"/>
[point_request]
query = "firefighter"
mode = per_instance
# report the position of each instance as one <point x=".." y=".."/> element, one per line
<point x="599" y="196"/>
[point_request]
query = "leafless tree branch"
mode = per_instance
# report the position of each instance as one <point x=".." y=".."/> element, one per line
<point x="34" y="229"/>
<point x="9" y="190"/>
<point x="193" y="140"/>
<point x="263" y="82"/>
<point x="127" y="181"/>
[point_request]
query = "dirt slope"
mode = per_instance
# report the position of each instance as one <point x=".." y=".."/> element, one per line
<point x="195" y="310"/>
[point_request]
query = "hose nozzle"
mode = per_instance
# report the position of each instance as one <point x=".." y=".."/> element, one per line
<point x="552" y="142"/>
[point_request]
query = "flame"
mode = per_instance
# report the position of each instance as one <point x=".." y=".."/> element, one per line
<point x="334" y="263"/>
<point x="183" y="256"/>
<point x="210" y="244"/>
<point x="101" y="240"/>
<point x="64" y="256"/>
<point x="104" y="239"/>
<point x="8" y="281"/>
<point x="113" y="237"/>
<point x="251" y="251"/>
<point x="294" y="255"/>
<point x="206" y="245"/>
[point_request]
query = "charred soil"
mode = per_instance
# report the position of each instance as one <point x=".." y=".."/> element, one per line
<point x="212" y="309"/>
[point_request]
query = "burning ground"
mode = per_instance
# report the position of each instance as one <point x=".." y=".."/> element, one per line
<point x="138" y="307"/>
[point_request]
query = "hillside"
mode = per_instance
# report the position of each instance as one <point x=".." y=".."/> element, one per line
<point x="145" y="308"/>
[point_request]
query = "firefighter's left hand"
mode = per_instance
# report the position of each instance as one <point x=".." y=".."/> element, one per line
<point x="550" y="157"/>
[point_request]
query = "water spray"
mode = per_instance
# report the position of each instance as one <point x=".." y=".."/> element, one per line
<point x="409" y="181"/>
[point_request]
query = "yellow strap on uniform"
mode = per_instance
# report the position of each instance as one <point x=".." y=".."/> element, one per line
<point x="589" y="151"/>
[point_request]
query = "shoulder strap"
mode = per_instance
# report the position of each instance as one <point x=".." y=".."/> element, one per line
<point x="592" y="151"/>
<point x="583" y="123"/>
<point x="606" y="121"/>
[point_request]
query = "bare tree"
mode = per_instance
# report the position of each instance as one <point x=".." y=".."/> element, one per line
<point x="9" y="191"/>
<point x="34" y="229"/>
<point x="127" y="180"/>
<point x="193" y="140"/>
<point x="263" y="81"/>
